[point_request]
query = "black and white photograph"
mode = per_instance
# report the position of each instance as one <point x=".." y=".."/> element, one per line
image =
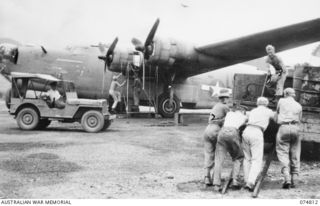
<point x="213" y="100"/>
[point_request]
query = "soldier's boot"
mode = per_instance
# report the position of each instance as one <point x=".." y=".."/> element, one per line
<point x="235" y="185"/>
<point x="207" y="181"/>
<point x="249" y="187"/>
<point x="113" y="111"/>
<point x="287" y="182"/>
<point x="287" y="178"/>
<point x="294" y="179"/>
<point x="207" y="178"/>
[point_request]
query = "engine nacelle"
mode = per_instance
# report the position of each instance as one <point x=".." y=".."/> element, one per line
<point x="168" y="51"/>
<point x="121" y="59"/>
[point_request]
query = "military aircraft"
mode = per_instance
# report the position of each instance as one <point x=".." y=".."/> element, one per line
<point x="166" y="66"/>
<point x="78" y="63"/>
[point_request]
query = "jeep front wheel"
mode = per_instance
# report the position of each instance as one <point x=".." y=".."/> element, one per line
<point x="28" y="118"/>
<point x="92" y="121"/>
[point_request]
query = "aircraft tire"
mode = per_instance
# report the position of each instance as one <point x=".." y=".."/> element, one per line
<point x="43" y="123"/>
<point x="106" y="125"/>
<point x="164" y="109"/>
<point x="92" y="121"/>
<point x="28" y="118"/>
<point x="7" y="97"/>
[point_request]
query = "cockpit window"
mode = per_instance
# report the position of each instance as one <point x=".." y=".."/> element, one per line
<point x="8" y="52"/>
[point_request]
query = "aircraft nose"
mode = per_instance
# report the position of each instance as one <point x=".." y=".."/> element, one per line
<point x="1" y="57"/>
<point x="8" y="58"/>
<point x="4" y="67"/>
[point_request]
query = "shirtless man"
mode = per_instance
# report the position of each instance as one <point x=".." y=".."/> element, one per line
<point x="280" y="70"/>
<point x="116" y="95"/>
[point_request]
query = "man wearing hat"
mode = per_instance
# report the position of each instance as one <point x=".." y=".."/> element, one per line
<point x="280" y="70"/>
<point x="229" y="141"/>
<point x="116" y="95"/>
<point x="288" y="142"/>
<point x="216" y="118"/>
<point x="252" y="141"/>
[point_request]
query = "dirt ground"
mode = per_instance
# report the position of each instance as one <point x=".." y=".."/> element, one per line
<point x="135" y="158"/>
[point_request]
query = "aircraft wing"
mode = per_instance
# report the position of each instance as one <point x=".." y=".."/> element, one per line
<point x="251" y="47"/>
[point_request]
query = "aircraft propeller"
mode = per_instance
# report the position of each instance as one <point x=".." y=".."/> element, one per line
<point x="147" y="48"/>
<point x="108" y="58"/>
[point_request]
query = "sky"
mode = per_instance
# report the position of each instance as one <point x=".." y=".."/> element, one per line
<point x="57" y="23"/>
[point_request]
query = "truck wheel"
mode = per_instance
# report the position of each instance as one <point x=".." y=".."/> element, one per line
<point x="92" y="121"/>
<point x="43" y="123"/>
<point x="164" y="108"/>
<point x="27" y="118"/>
<point x="106" y="125"/>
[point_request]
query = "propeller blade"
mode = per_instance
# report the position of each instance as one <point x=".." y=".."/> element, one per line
<point x="112" y="46"/>
<point x="138" y="44"/>
<point x="107" y="60"/>
<point x="147" y="48"/>
<point x="109" y="55"/>
<point x="102" y="58"/>
<point x="44" y="50"/>
<point x="152" y="33"/>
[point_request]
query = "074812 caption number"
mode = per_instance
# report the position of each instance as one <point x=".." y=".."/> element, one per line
<point x="309" y="202"/>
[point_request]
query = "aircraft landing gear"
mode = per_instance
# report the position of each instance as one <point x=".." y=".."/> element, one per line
<point x="167" y="107"/>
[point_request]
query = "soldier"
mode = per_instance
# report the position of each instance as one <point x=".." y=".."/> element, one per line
<point x="55" y="97"/>
<point x="252" y="141"/>
<point x="216" y="119"/>
<point x="137" y="87"/>
<point x="288" y="142"/>
<point x="116" y="95"/>
<point x="229" y="141"/>
<point x="280" y="70"/>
